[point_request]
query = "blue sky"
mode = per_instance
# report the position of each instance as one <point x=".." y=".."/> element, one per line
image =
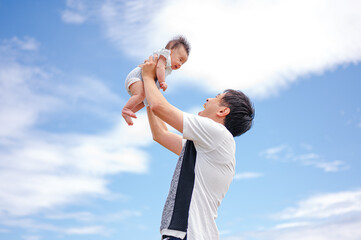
<point x="70" y="168"/>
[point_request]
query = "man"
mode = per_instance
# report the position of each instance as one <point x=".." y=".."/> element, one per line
<point x="206" y="164"/>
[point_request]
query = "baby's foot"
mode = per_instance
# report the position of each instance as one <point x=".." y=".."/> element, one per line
<point x="128" y="112"/>
<point x="128" y="115"/>
<point x="128" y="119"/>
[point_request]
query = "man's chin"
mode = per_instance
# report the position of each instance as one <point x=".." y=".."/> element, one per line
<point x="200" y="113"/>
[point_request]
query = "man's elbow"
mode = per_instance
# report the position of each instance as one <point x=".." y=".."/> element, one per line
<point x="156" y="107"/>
<point x="158" y="136"/>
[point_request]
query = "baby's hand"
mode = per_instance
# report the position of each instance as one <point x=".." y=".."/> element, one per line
<point x="163" y="86"/>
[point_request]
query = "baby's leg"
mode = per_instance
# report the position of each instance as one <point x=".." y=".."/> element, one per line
<point x="138" y="107"/>
<point x="135" y="102"/>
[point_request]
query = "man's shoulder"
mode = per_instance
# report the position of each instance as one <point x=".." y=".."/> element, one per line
<point x="206" y="133"/>
<point x="205" y="121"/>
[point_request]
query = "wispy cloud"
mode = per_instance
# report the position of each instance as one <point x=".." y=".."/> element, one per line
<point x="91" y="217"/>
<point x="330" y="216"/>
<point x="85" y="230"/>
<point x="284" y="153"/>
<point x="269" y="45"/>
<point x="248" y="175"/>
<point x="345" y="229"/>
<point x="72" y="17"/>
<point x="324" y="206"/>
<point x="79" y="223"/>
<point x="274" y="152"/>
<point x="291" y="225"/>
<point x="30" y="224"/>
<point x="76" y="12"/>
<point x="26" y="43"/>
<point x="78" y="216"/>
<point x="33" y="237"/>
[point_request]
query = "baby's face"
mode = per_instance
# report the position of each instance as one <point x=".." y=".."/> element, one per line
<point x="178" y="56"/>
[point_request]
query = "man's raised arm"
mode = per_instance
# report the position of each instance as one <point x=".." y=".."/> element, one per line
<point x="157" y="102"/>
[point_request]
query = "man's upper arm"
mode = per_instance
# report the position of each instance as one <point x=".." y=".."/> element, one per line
<point x="169" y="114"/>
<point x="171" y="141"/>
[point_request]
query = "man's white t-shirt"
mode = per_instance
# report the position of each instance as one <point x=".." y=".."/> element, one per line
<point x="202" y="177"/>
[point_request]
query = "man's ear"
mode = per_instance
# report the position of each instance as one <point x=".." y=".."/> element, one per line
<point x="223" y="112"/>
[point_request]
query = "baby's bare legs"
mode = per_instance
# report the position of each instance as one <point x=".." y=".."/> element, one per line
<point x="135" y="102"/>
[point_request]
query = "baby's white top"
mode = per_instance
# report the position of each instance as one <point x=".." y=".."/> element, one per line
<point x="166" y="53"/>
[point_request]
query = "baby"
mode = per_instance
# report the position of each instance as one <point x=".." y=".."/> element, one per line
<point x="172" y="57"/>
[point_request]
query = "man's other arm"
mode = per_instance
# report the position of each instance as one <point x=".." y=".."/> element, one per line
<point x="167" y="139"/>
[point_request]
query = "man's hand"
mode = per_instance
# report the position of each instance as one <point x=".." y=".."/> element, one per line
<point x="149" y="67"/>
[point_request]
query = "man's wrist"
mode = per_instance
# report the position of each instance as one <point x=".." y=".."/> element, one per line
<point x="148" y="78"/>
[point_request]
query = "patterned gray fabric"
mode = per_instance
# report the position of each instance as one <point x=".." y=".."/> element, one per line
<point x="169" y="204"/>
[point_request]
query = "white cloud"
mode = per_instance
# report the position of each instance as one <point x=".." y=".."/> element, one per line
<point x="90" y="223"/>
<point x="20" y="106"/>
<point x="345" y="229"/>
<point x="331" y="216"/>
<point x="273" y="153"/>
<point x="72" y="17"/>
<point x="26" y="43"/>
<point x="120" y="216"/>
<point x="259" y="47"/>
<point x="78" y="216"/>
<point x="333" y="166"/>
<point x="248" y="175"/>
<point x="41" y="170"/>
<point x="127" y="24"/>
<point x="286" y="153"/>
<point x="52" y="170"/>
<point x="75" y="12"/>
<point x="32" y="225"/>
<point x="291" y="225"/>
<point x="85" y="230"/>
<point x="324" y="206"/>
<point x="90" y="217"/>
<point x="33" y="237"/>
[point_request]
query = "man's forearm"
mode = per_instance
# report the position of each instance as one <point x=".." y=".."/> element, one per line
<point x="169" y="140"/>
<point x="157" y="126"/>
<point x="152" y="94"/>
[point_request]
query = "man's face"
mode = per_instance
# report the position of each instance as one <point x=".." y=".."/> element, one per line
<point x="212" y="106"/>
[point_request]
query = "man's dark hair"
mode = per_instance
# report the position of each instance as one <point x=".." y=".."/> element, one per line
<point x="178" y="41"/>
<point x="241" y="115"/>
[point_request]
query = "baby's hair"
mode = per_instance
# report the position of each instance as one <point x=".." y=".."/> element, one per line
<point x="177" y="42"/>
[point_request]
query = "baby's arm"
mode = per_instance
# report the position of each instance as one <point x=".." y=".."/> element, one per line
<point x="161" y="72"/>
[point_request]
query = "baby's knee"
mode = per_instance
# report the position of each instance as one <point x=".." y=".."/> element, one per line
<point x="140" y="96"/>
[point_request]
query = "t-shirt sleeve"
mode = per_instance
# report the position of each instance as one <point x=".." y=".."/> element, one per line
<point x="204" y="132"/>
<point x="165" y="53"/>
